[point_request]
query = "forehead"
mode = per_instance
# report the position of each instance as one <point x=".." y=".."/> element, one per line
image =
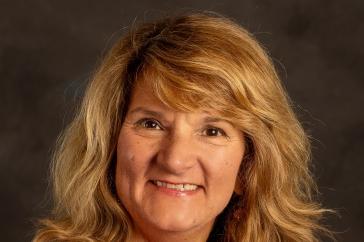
<point x="179" y="91"/>
<point x="176" y="89"/>
<point x="144" y="101"/>
<point x="143" y="96"/>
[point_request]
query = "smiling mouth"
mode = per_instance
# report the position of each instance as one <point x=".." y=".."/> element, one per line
<point x="177" y="187"/>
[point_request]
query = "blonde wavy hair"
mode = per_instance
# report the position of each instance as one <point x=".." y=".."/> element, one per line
<point x="193" y="60"/>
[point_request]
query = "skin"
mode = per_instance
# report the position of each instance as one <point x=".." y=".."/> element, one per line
<point x="159" y="143"/>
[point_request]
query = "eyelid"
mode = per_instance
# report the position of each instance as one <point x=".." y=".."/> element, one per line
<point x="223" y="133"/>
<point x="138" y="123"/>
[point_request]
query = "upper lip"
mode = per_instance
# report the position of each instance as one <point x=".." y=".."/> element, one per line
<point x="176" y="182"/>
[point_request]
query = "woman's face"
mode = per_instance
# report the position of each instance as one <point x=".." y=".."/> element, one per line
<point x="175" y="171"/>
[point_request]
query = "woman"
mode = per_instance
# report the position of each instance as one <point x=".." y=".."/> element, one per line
<point x="185" y="134"/>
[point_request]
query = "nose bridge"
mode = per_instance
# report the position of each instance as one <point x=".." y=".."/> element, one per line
<point x="177" y="153"/>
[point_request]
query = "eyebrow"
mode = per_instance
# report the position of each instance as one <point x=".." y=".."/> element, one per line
<point x="213" y="119"/>
<point x="207" y="119"/>
<point x="147" y="112"/>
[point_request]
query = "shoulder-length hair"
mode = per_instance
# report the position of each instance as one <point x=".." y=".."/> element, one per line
<point x="196" y="60"/>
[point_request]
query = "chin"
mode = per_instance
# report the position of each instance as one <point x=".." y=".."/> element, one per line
<point x="177" y="227"/>
<point x="175" y="223"/>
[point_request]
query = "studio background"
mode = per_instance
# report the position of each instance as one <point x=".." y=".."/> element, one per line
<point x="49" y="49"/>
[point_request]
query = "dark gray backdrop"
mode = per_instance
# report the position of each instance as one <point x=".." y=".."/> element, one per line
<point x="48" y="50"/>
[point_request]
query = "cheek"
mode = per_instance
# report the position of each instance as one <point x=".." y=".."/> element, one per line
<point x="125" y="162"/>
<point x="129" y="168"/>
<point x="223" y="166"/>
<point x="127" y="148"/>
<point x="225" y="161"/>
<point x="133" y="158"/>
<point x="125" y="157"/>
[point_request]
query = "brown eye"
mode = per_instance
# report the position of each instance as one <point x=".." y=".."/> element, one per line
<point x="212" y="131"/>
<point x="149" y="124"/>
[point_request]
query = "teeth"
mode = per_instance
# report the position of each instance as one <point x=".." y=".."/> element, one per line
<point x="189" y="187"/>
<point x="178" y="187"/>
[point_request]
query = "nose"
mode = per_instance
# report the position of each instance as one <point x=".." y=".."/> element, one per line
<point x="177" y="155"/>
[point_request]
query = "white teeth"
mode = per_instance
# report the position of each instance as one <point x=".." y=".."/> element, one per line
<point x="178" y="187"/>
<point x="189" y="187"/>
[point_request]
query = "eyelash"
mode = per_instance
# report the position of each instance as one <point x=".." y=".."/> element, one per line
<point x="142" y="124"/>
<point x="220" y="132"/>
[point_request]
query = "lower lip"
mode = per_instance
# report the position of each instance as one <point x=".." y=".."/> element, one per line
<point x="176" y="193"/>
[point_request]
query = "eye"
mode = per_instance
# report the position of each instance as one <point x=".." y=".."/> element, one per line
<point x="148" y="124"/>
<point x="214" y="132"/>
